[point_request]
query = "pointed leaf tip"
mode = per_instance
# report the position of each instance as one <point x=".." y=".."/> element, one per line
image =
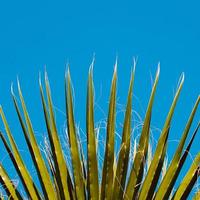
<point x="135" y="61"/>
<point x="40" y="81"/>
<point x="134" y="65"/>
<point x="158" y="70"/>
<point x="18" y="85"/>
<point x="67" y="70"/>
<point x="182" y="78"/>
<point x="93" y="59"/>
<point x="115" y="66"/>
<point x="180" y="84"/>
<point x="11" y="89"/>
<point x="91" y="67"/>
<point x="46" y="76"/>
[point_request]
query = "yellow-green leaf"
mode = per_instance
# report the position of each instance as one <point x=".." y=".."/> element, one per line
<point x="120" y="177"/>
<point x="32" y="190"/>
<point x="93" y="185"/>
<point x="171" y="171"/>
<point x="60" y="164"/>
<point x="189" y="180"/>
<point x="73" y="141"/>
<point x="107" y="174"/>
<point x="7" y="183"/>
<point x="138" y="164"/>
<point x="39" y="161"/>
<point x="151" y="178"/>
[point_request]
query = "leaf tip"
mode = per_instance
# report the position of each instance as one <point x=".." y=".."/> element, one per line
<point x="18" y="85"/>
<point x="158" y="70"/>
<point x="182" y="78"/>
<point x="116" y="65"/>
<point x="134" y="64"/>
<point x="67" y="75"/>
<point x="46" y="76"/>
<point x="11" y="89"/>
<point x="91" y="67"/>
<point x="39" y="80"/>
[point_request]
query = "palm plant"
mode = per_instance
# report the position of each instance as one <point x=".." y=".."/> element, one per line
<point x="119" y="179"/>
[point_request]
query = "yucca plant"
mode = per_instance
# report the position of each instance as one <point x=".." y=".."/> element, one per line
<point x="125" y="176"/>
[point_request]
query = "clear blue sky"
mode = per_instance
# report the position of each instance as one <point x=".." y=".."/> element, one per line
<point x="35" y="34"/>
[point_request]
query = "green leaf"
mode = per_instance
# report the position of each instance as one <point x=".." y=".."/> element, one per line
<point x="189" y="180"/>
<point x="57" y="178"/>
<point x="171" y="171"/>
<point x="123" y="160"/>
<point x="120" y="166"/>
<point x="181" y="163"/>
<point x="31" y="150"/>
<point x="62" y="174"/>
<point x="10" y="189"/>
<point x="107" y="174"/>
<point x="32" y="190"/>
<point x="42" y="170"/>
<point x="73" y="141"/>
<point x="12" y="158"/>
<point x="139" y="160"/>
<point x="50" y="161"/>
<point x="153" y="173"/>
<point x="93" y="185"/>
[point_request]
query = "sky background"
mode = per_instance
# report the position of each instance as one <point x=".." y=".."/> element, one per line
<point x="39" y="35"/>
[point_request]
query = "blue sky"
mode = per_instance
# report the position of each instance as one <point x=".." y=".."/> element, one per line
<point x="35" y="35"/>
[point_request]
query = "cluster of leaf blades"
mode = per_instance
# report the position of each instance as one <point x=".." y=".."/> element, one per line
<point x="117" y="180"/>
